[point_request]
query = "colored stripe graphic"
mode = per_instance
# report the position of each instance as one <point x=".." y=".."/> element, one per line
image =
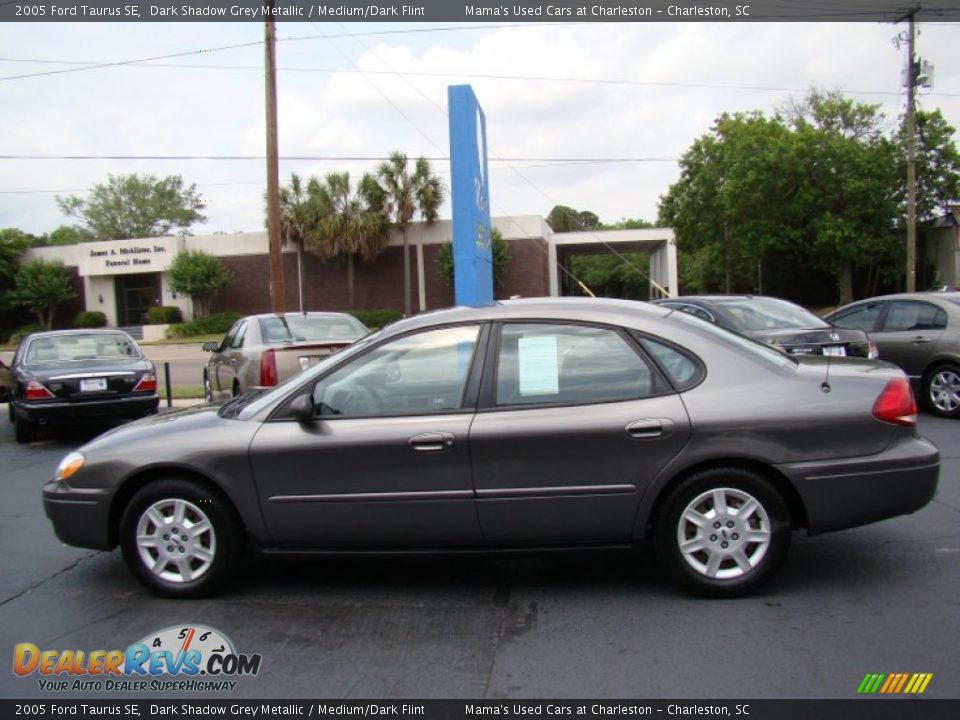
<point x="894" y="683"/>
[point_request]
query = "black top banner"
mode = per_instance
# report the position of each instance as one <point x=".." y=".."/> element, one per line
<point x="475" y="11"/>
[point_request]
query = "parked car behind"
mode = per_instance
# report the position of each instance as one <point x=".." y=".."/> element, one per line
<point x="779" y="323"/>
<point x="73" y="377"/>
<point x="920" y="332"/>
<point x="545" y="423"/>
<point x="263" y="350"/>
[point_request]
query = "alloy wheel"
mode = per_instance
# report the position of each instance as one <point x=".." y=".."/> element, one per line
<point x="176" y="541"/>
<point x="945" y="391"/>
<point x="724" y="533"/>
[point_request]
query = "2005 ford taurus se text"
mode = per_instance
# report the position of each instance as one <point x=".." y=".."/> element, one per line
<point x="521" y="425"/>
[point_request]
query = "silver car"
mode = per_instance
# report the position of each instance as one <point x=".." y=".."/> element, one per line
<point x="522" y="425"/>
<point x="263" y="350"/>
<point x="919" y="332"/>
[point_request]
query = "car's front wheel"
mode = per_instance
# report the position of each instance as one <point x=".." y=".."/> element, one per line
<point x="723" y="532"/>
<point x="942" y="391"/>
<point x="207" y="388"/>
<point x="180" y="538"/>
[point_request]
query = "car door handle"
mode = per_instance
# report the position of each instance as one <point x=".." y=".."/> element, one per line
<point x="920" y="340"/>
<point x="650" y="428"/>
<point x="432" y="441"/>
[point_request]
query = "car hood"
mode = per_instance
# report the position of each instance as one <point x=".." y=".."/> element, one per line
<point x="154" y="429"/>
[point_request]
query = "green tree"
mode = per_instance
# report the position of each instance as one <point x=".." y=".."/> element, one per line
<point x="499" y="254"/>
<point x="566" y="219"/>
<point x="937" y="165"/>
<point x="297" y="215"/>
<point x="349" y="222"/>
<point x="406" y="194"/>
<point x="819" y="188"/>
<point x="70" y="235"/>
<point x="41" y="285"/>
<point x="200" y="277"/>
<point x="13" y="243"/>
<point x="136" y="206"/>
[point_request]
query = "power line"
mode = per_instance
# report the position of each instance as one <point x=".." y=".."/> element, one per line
<point x="332" y="158"/>
<point x="471" y="76"/>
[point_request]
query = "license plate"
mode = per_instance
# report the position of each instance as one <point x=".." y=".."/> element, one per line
<point x="838" y="350"/>
<point x="93" y="385"/>
<point x="307" y="361"/>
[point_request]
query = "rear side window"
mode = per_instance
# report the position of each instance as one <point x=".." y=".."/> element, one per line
<point x="911" y="315"/>
<point x="568" y="364"/>
<point x="684" y="372"/>
<point x="863" y="317"/>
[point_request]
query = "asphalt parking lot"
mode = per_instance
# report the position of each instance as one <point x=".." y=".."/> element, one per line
<point x="881" y="598"/>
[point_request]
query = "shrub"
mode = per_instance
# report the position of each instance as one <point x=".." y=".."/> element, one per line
<point x="376" y="318"/>
<point x="90" y="319"/>
<point x="164" y="315"/>
<point x="21" y="333"/>
<point x="213" y="325"/>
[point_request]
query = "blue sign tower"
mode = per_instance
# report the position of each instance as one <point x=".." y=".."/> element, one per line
<point x="470" y="198"/>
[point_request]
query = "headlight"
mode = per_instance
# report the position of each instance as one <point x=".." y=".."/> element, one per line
<point x="69" y="465"/>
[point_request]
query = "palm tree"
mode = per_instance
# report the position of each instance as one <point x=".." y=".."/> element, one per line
<point x="349" y="222"/>
<point x="407" y="194"/>
<point x="297" y="216"/>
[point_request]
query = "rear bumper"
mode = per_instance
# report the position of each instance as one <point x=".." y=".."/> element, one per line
<point x="847" y="493"/>
<point x="74" y="413"/>
<point x="79" y="517"/>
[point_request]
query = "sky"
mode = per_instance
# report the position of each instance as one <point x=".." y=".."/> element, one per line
<point x="628" y="97"/>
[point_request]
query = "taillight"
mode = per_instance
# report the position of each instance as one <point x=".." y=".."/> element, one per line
<point x="36" y="391"/>
<point x="148" y="383"/>
<point x="268" y="368"/>
<point x="896" y="404"/>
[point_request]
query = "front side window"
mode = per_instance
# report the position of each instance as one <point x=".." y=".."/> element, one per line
<point x="914" y="316"/>
<point x="413" y="375"/>
<point x="566" y="364"/>
<point x="863" y="317"/>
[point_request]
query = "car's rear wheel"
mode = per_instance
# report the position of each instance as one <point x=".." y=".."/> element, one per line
<point x="180" y="538"/>
<point x="723" y="532"/>
<point x="942" y="391"/>
<point x="24" y="431"/>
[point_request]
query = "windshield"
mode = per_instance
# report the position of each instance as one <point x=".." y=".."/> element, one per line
<point x="303" y="328"/>
<point x="85" y="346"/>
<point x="252" y="405"/>
<point x="758" y="349"/>
<point x="761" y="313"/>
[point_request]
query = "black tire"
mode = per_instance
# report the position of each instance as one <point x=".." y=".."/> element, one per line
<point x="224" y="542"/>
<point x="207" y="389"/>
<point x="24" y="431"/>
<point x="741" y="565"/>
<point x="941" y="390"/>
<point x="236" y="388"/>
<point x="10" y="412"/>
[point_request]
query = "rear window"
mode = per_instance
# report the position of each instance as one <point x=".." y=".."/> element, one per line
<point x="86" y="346"/>
<point x="683" y="371"/>
<point x="769" y="314"/>
<point x="305" y="328"/>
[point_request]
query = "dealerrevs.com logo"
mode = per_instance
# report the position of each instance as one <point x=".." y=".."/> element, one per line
<point x="181" y="658"/>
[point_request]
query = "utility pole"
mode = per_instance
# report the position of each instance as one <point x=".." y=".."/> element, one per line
<point x="273" y="165"/>
<point x="911" y="154"/>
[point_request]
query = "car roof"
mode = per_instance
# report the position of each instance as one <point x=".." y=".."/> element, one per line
<point x="309" y="313"/>
<point x="922" y="295"/>
<point x="602" y="310"/>
<point x="78" y="331"/>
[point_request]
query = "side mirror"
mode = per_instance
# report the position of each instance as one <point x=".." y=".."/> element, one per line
<point x="210" y="347"/>
<point x="302" y="408"/>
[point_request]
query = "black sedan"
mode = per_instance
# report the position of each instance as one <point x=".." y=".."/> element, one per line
<point x="523" y="425"/>
<point x="777" y="322"/>
<point x="71" y="377"/>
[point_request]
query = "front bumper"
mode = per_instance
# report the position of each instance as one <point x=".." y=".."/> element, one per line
<point x="847" y="493"/>
<point x="75" y="413"/>
<point x="80" y="517"/>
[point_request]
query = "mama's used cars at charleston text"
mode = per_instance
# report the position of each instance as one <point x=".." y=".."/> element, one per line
<point x="525" y="424"/>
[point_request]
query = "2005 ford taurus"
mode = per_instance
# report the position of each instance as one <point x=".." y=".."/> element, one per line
<point x="522" y="425"/>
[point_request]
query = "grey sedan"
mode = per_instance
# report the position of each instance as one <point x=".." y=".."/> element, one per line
<point x="920" y="332"/>
<point x="523" y="425"/>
